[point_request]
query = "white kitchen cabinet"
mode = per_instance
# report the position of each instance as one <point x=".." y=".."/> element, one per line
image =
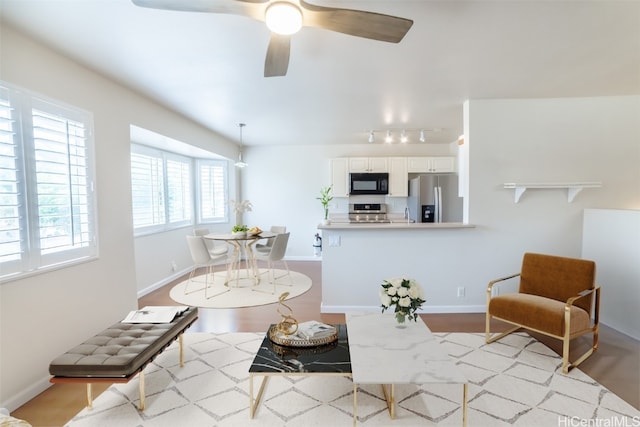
<point x="368" y="164"/>
<point x="398" y="177"/>
<point x="431" y="164"/>
<point x="340" y="177"/>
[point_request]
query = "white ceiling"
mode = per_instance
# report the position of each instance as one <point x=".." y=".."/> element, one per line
<point x="209" y="67"/>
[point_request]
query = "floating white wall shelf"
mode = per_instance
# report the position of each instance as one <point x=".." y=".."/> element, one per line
<point x="573" y="188"/>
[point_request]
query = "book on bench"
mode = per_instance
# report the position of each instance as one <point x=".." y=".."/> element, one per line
<point x="155" y="314"/>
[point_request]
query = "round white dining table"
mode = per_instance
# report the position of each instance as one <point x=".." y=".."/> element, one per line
<point x="242" y="243"/>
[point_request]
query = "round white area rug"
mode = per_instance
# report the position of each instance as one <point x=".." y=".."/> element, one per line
<point x="242" y="292"/>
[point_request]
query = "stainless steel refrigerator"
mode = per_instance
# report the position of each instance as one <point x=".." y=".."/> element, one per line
<point x="434" y="198"/>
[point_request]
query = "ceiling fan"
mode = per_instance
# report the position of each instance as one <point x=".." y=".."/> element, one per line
<point x="292" y="15"/>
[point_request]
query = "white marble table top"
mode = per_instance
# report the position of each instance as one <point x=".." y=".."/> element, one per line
<point x="381" y="353"/>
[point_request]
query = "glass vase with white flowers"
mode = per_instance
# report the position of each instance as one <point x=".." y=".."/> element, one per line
<point x="405" y="294"/>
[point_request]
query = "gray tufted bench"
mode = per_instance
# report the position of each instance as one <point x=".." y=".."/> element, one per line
<point x="118" y="353"/>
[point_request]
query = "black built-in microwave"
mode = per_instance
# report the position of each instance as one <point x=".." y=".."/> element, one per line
<point x="369" y="183"/>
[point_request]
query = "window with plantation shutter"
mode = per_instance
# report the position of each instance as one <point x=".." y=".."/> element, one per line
<point x="162" y="189"/>
<point x="46" y="184"/>
<point x="212" y="185"/>
<point x="179" y="191"/>
<point x="147" y="184"/>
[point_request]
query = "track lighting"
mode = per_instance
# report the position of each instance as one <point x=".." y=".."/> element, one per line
<point x="403" y="137"/>
<point x="406" y="135"/>
<point x="388" y="139"/>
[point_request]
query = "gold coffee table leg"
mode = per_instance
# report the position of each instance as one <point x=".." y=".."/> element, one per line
<point x="390" y="399"/>
<point x="464" y="405"/>
<point x="253" y="404"/>
<point x="355" y="404"/>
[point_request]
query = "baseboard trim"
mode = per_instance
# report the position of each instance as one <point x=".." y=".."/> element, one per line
<point x="26" y="395"/>
<point x="163" y="282"/>
<point x="425" y="310"/>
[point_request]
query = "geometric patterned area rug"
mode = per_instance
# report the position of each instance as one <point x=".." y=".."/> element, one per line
<point x="516" y="381"/>
<point x="242" y="292"/>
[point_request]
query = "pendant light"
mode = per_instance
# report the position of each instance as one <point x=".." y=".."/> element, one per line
<point x="240" y="163"/>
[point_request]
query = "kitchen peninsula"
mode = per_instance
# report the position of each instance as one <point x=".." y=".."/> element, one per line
<point x="357" y="257"/>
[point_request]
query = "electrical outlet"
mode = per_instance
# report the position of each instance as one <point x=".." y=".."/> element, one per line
<point x="460" y="291"/>
<point x="334" y="240"/>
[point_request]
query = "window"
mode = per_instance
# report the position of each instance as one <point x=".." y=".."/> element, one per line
<point x="162" y="189"/>
<point x="163" y="186"/>
<point x="46" y="184"/>
<point x="212" y="186"/>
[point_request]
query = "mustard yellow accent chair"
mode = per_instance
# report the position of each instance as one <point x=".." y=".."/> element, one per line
<point x="555" y="298"/>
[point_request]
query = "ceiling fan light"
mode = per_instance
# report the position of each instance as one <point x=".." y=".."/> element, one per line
<point x="283" y="18"/>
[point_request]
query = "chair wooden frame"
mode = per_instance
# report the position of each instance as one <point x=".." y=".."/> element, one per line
<point x="565" y="338"/>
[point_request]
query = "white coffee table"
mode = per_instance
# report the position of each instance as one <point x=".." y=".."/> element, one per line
<point x="383" y="354"/>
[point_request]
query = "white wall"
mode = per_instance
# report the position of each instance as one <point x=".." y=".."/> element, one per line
<point x="44" y="315"/>
<point x="612" y="239"/>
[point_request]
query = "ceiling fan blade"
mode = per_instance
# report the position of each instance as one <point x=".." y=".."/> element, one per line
<point x="249" y="8"/>
<point x="277" y="61"/>
<point x="358" y="23"/>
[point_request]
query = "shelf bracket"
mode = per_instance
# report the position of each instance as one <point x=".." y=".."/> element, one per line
<point x="519" y="191"/>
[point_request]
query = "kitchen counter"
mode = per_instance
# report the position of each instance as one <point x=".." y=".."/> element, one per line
<point x="357" y="257"/>
<point x="396" y="225"/>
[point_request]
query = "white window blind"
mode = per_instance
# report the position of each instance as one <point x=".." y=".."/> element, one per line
<point x="162" y="190"/>
<point x="212" y="186"/>
<point x="147" y="183"/>
<point x="46" y="184"/>
<point x="179" y="190"/>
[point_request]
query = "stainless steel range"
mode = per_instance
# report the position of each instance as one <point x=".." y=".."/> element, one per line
<point x="368" y="213"/>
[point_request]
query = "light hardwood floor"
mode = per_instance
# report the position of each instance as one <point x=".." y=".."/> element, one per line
<point x="616" y="364"/>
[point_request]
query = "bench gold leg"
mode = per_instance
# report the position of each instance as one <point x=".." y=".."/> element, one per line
<point x="89" y="396"/>
<point x="141" y="381"/>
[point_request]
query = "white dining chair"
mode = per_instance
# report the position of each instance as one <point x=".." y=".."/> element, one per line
<point x="214" y="249"/>
<point x="202" y="258"/>
<point x="266" y="247"/>
<point x="277" y="252"/>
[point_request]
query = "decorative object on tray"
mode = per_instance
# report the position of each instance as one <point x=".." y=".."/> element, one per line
<point x="405" y="294"/>
<point x="325" y="198"/>
<point x="288" y="325"/>
<point x="297" y="340"/>
<point x="293" y="334"/>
